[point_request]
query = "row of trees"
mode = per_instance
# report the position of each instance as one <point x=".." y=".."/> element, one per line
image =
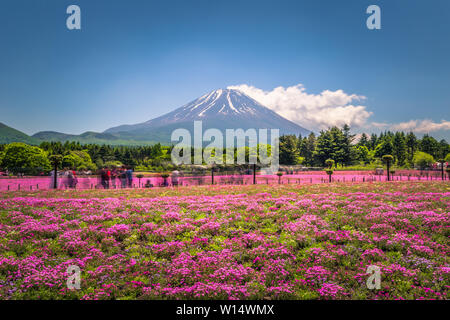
<point x="155" y="157"/>
<point x="340" y="145"/>
<point x="313" y="151"/>
<point x="31" y="160"/>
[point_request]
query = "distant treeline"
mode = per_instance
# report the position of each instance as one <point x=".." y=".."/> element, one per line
<point x="338" y="144"/>
<point x="335" y="143"/>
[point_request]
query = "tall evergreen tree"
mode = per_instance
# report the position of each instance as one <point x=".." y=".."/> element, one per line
<point x="399" y="148"/>
<point x="363" y="141"/>
<point x="288" y="149"/>
<point x="429" y="145"/>
<point x="411" y="145"/>
<point x="373" y="141"/>
<point x="325" y="147"/>
<point x="308" y="148"/>
<point x="349" y="154"/>
<point x="444" y="149"/>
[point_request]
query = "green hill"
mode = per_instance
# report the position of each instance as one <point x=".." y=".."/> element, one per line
<point x="90" y="137"/>
<point x="9" y="135"/>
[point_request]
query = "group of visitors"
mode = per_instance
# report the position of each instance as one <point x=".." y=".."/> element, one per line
<point x="67" y="177"/>
<point x="116" y="177"/>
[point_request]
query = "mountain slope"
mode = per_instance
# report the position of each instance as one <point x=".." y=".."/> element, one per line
<point x="221" y="109"/>
<point x="87" y="138"/>
<point x="58" y="136"/>
<point x="8" y="135"/>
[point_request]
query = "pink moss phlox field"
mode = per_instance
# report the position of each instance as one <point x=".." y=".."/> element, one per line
<point x="92" y="182"/>
<point x="252" y="242"/>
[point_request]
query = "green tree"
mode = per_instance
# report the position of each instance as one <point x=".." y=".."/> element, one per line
<point x="2" y="155"/>
<point x="411" y="145"/>
<point x="20" y="157"/>
<point x="330" y="164"/>
<point x="264" y="152"/>
<point x="363" y="141"/>
<point x="447" y="158"/>
<point x="373" y="142"/>
<point x="68" y="161"/>
<point x="345" y="141"/>
<point x="363" y="154"/>
<point x="444" y="148"/>
<point x="423" y="160"/>
<point x="388" y="159"/>
<point x="289" y="153"/>
<point x="384" y="147"/>
<point x="335" y="143"/>
<point x="399" y="148"/>
<point x="325" y="147"/>
<point x="308" y="148"/>
<point x="79" y="160"/>
<point x="429" y="145"/>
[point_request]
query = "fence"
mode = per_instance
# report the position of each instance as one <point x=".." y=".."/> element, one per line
<point x="312" y="177"/>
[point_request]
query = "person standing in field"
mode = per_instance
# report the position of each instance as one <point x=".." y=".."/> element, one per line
<point x="113" y="176"/>
<point x="175" y="176"/>
<point x="65" y="178"/>
<point x="71" y="179"/>
<point x="52" y="179"/>
<point x="108" y="177"/>
<point x="129" y="174"/>
<point x="123" y="177"/>
<point x="104" y="176"/>
<point x="75" y="179"/>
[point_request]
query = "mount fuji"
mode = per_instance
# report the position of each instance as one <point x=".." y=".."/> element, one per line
<point x="221" y="109"/>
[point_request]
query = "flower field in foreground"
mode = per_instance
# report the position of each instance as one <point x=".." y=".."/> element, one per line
<point x="228" y="242"/>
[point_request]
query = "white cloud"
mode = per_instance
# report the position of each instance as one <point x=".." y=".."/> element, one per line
<point x="379" y="125"/>
<point x="421" y="126"/>
<point x="330" y="108"/>
<point x="311" y="111"/>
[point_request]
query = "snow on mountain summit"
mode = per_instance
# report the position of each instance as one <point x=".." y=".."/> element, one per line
<point x="218" y="102"/>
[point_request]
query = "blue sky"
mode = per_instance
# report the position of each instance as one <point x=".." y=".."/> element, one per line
<point x="135" y="60"/>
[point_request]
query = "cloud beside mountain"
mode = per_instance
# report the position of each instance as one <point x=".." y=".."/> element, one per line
<point x="330" y="108"/>
<point x="422" y="126"/>
<point x="418" y="126"/>
<point x="313" y="111"/>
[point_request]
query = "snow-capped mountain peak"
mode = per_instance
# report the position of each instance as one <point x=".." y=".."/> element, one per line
<point x="221" y="109"/>
<point x="218" y="102"/>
